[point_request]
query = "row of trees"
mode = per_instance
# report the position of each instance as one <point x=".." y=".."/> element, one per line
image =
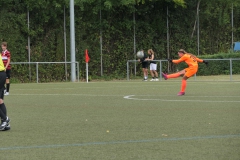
<point x="113" y="21"/>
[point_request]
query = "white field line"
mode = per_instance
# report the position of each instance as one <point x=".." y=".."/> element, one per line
<point x="197" y="138"/>
<point x="138" y="97"/>
<point x="132" y="97"/>
<point x="117" y="95"/>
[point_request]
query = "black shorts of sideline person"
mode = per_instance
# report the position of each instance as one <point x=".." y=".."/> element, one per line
<point x="144" y="64"/>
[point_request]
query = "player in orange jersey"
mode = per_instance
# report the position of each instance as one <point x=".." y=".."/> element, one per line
<point x="192" y="62"/>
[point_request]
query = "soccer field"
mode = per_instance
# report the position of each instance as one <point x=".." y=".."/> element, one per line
<point x="123" y="120"/>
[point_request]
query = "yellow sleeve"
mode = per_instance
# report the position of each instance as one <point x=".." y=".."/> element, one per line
<point x="2" y="68"/>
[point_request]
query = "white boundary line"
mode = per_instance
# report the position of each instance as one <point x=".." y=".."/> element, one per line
<point x="47" y="94"/>
<point x="132" y="97"/>
<point x="209" y="137"/>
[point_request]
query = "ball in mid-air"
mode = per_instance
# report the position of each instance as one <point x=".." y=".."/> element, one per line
<point x="140" y="54"/>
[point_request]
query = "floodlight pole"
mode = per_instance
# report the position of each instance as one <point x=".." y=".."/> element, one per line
<point x="232" y="26"/>
<point x="100" y="14"/>
<point x="29" y="49"/>
<point x="65" y="43"/>
<point x="198" y="30"/>
<point x="168" y="54"/>
<point x="198" y="25"/>
<point x="134" y="40"/>
<point x="72" y="38"/>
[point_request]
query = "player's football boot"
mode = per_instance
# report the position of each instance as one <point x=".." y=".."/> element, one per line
<point x="7" y="127"/>
<point x="164" y="76"/>
<point x="181" y="93"/>
<point x="4" y="124"/>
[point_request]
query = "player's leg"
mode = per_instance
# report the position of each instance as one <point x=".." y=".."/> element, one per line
<point x="4" y="119"/>
<point x="3" y="111"/>
<point x="145" y="74"/>
<point x="156" y="75"/>
<point x="8" y="72"/>
<point x="174" y="75"/>
<point x="155" y="72"/>
<point x="189" y="73"/>
<point x="177" y="74"/>
<point x="145" y="70"/>
<point x="4" y="114"/>
<point x="151" y="72"/>
<point x="183" y="86"/>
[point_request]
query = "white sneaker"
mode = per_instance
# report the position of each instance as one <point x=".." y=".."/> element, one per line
<point x="6" y="93"/>
<point x="156" y="79"/>
<point x="152" y="80"/>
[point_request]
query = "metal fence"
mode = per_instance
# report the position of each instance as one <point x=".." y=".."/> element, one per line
<point x="161" y="66"/>
<point x="38" y="63"/>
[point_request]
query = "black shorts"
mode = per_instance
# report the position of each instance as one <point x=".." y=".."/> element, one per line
<point x="2" y="83"/>
<point x="145" y="65"/>
<point x="8" y="73"/>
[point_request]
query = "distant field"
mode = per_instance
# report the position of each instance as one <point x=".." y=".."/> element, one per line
<point x="124" y="120"/>
<point x="207" y="78"/>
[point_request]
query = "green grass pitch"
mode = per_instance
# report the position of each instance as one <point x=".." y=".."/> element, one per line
<point x="123" y="120"/>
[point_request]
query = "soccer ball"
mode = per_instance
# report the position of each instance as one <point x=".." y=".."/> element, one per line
<point x="140" y="54"/>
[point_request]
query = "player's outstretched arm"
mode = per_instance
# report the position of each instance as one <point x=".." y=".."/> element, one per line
<point x="206" y="62"/>
<point x="182" y="59"/>
<point x="202" y="61"/>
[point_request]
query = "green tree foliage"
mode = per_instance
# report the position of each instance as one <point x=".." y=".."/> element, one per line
<point x="116" y="26"/>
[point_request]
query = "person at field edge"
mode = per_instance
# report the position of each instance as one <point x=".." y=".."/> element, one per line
<point x="6" y="58"/>
<point x="192" y="62"/>
<point x="3" y="110"/>
<point x="153" y="65"/>
<point x="144" y="66"/>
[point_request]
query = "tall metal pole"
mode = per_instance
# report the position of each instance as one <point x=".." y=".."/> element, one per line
<point x="232" y="27"/>
<point x="101" y="37"/>
<point x="134" y="40"/>
<point x="29" y="49"/>
<point x="168" y="54"/>
<point x="65" y="43"/>
<point x="72" y="37"/>
<point x="198" y="28"/>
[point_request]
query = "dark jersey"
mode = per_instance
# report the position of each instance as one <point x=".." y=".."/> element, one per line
<point x="150" y="57"/>
<point x="144" y="57"/>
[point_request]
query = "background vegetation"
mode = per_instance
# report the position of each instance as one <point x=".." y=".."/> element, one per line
<point x="117" y="27"/>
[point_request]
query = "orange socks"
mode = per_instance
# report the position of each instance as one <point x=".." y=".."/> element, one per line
<point x="174" y="75"/>
<point x="184" y="84"/>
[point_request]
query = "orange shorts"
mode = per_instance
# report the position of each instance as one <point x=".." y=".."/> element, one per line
<point x="189" y="72"/>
